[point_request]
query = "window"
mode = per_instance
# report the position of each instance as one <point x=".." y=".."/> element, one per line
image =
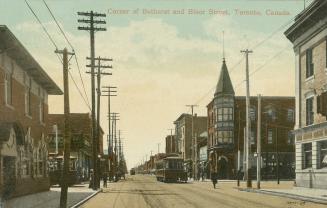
<point x="28" y="98"/>
<point x="252" y="113"/>
<point x="322" y="104"/>
<point x="252" y="137"/>
<point x="271" y="112"/>
<point x="323" y="154"/>
<point x="290" y="138"/>
<point x="225" y="114"/>
<point x="270" y="136"/>
<point x="40" y="162"/>
<point x="309" y="111"/>
<point x="290" y="115"/>
<point x="309" y="63"/>
<point x="225" y="137"/>
<point x="307" y="150"/>
<point x="8" y="88"/>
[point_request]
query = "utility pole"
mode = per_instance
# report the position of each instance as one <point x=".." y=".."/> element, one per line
<point x="171" y="140"/>
<point x="109" y="94"/>
<point x="98" y="73"/>
<point x="238" y="150"/>
<point x="259" y="143"/>
<point x="193" y="140"/>
<point x="158" y="148"/>
<point x="114" y="120"/>
<point x="248" y="121"/>
<point x="65" y="173"/>
<point x="92" y="29"/>
<point x="244" y="154"/>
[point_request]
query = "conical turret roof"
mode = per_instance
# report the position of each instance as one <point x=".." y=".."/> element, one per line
<point x="224" y="85"/>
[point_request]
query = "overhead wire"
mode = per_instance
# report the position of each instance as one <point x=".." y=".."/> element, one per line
<point x="254" y="47"/>
<point x="66" y="38"/>
<point x="55" y="45"/>
<point x="45" y="30"/>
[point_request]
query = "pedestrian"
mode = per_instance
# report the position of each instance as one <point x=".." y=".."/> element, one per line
<point x="91" y="178"/>
<point x="213" y="169"/>
<point x="105" y="178"/>
<point x="214" y="176"/>
<point x="202" y="174"/>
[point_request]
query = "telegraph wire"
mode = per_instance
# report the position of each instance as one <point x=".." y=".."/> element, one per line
<point x="45" y="30"/>
<point x="79" y="91"/>
<point x="61" y="30"/>
<point x="263" y="65"/>
<point x="254" y="47"/>
<point x="76" y="60"/>
<point x="55" y="45"/>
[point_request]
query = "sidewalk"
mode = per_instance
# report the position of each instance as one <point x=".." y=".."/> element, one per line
<point x="288" y="190"/>
<point x="50" y="199"/>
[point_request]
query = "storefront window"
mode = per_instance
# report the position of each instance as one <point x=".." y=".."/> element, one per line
<point x="307" y="150"/>
<point x="322" y="148"/>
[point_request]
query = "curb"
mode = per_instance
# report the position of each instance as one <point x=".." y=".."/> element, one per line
<point x="286" y="195"/>
<point x="78" y="204"/>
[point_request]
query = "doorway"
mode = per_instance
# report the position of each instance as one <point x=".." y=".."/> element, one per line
<point x="223" y="168"/>
<point x="9" y="176"/>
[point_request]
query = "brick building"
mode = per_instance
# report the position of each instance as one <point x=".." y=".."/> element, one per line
<point x="24" y="91"/>
<point x="171" y="144"/>
<point x="183" y="133"/>
<point x="309" y="37"/>
<point x="226" y="123"/>
<point x="81" y="140"/>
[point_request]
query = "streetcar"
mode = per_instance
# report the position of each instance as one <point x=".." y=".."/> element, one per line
<point x="132" y="171"/>
<point x="170" y="169"/>
<point x="55" y="170"/>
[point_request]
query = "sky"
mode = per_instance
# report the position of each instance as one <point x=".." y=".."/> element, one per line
<point x="161" y="62"/>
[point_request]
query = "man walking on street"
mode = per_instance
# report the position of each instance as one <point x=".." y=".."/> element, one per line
<point x="105" y="178"/>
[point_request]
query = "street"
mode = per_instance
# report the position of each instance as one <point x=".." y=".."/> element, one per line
<point x="144" y="191"/>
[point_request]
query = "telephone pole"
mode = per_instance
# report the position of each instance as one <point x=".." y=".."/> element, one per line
<point x="171" y="140"/>
<point x="98" y="73"/>
<point x="248" y="122"/>
<point x="65" y="173"/>
<point x="193" y="140"/>
<point x="259" y="143"/>
<point x="108" y="91"/>
<point x="92" y="29"/>
<point x="114" y="121"/>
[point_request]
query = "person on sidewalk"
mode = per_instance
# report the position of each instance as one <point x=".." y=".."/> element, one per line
<point x="91" y="178"/>
<point x="105" y="178"/>
<point x="214" y="179"/>
<point x="213" y="170"/>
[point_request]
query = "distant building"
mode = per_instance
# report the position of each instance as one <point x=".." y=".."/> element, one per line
<point x="183" y="133"/>
<point x="309" y="37"/>
<point x="171" y="144"/>
<point x="202" y="155"/>
<point x="24" y="91"/>
<point x="81" y="140"/>
<point x="226" y="123"/>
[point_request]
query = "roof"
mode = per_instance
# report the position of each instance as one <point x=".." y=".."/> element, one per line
<point x="268" y="97"/>
<point x="80" y="123"/>
<point x="15" y="50"/>
<point x="224" y="84"/>
<point x="303" y="21"/>
<point x="182" y="116"/>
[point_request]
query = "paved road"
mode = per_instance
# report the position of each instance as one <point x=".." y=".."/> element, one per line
<point x="144" y="191"/>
